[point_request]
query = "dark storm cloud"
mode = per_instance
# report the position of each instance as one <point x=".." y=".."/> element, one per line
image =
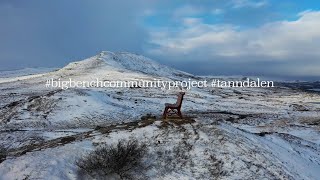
<point x="51" y="33"/>
<point x="265" y="67"/>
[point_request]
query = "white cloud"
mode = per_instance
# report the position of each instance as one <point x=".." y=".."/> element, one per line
<point x="248" y="3"/>
<point x="217" y="11"/>
<point x="186" y="10"/>
<point x="191" y="21"/>
<point x="279" y="41"/>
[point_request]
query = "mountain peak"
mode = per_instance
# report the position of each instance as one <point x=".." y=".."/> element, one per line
<point x="125" y="61"/>
<point x="138" y="63"/>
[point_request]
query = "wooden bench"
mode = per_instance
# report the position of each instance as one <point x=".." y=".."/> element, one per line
<point x="171" y="109"/>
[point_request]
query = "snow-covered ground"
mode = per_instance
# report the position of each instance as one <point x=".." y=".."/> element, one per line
<point x="237" y="133"/>
<point x="25" y="72"/>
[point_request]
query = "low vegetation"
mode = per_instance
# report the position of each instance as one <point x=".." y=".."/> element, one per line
<point x="123" y="160"/>
<point x="3" y="154"/>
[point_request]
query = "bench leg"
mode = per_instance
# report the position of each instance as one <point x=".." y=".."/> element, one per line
<point x="179" y="114"/>
<point x="164" y="116"/>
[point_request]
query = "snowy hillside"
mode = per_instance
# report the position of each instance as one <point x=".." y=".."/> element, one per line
<point x="139" y="63"/>
<point x="227" y="133"/>
<point x="24" y="72"/>
<point x="123" y="61"/>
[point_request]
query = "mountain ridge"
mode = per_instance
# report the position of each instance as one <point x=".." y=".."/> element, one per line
<point x="125" y="61"/>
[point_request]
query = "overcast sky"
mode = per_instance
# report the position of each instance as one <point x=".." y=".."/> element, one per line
<point x="230" y="37"/>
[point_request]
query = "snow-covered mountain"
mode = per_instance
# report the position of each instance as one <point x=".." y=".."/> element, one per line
<point x="253" y="133"/>
<point x="124" y="61"/>
<point x="105" y="66"/>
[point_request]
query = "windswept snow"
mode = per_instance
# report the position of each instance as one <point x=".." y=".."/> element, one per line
<point x="238" y="133"/>
<point x="25" y="72"/>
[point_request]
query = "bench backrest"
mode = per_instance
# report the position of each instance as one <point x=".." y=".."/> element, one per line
<point x="180" y="99"/>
